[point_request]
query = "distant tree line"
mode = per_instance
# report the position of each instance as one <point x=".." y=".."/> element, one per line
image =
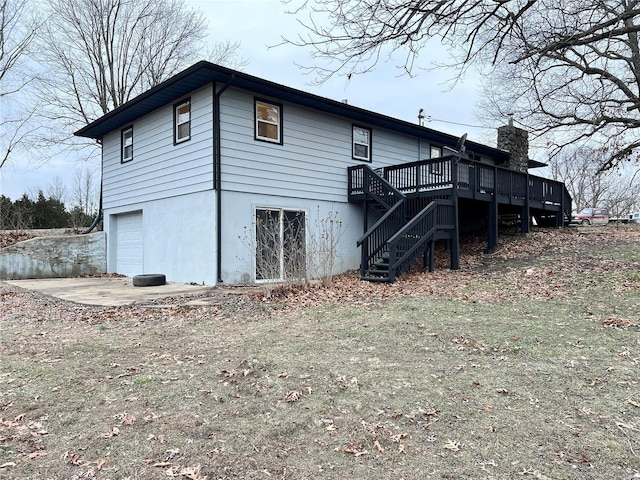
<point x="42" y="212"/>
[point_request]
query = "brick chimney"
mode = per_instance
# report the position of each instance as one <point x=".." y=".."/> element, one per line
<point x="516" y="141"/>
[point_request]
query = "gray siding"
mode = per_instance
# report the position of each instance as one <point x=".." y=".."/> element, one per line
<point x="159" y="168"/>
<point x="311" y="163"/>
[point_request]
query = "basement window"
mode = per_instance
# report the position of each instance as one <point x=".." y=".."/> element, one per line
<point x="280" y="244"/>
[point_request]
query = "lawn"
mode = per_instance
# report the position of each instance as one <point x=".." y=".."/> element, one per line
<point x="523" y="364"/>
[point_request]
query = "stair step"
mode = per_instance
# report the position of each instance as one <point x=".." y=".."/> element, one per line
<point x="375" y="279"/>
<point x="377" y="273"/>
<point x="382" y="266"/>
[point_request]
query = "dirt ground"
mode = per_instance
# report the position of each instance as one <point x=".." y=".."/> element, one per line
<point x="523" y="364"/>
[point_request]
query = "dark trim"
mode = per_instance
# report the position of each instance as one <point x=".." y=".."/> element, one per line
<point x="175" y="120"/>
<point x="217" y="171"/>
<point x="280" y="140"/>
<point x="122" y="132"/>
<point x="353" y="143"/>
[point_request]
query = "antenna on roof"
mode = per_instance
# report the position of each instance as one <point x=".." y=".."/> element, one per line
<point x="460" y="148"/>
<point x="421" y="117"/>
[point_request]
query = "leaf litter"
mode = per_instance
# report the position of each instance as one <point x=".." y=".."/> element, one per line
<point x="495" y="368"/>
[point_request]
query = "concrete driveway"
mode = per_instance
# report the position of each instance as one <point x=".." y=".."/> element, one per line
<point x="108" y="291"/>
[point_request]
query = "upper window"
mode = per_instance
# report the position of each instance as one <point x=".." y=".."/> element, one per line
<point x="362" y="143"/>
<point x="268" y="122"/>
<point x="182" y="121"/>
<point x="127" y="145"/>
<point x="437" y="167"/>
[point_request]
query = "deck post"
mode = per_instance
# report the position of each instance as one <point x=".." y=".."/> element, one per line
<point x="560" y="214"/>
<point x="427" y="257"/>
<point x="364" y="249"/>
<point x="525" y="217"/>
<point x="492" y="241"/>
<point x="455" y="237"/>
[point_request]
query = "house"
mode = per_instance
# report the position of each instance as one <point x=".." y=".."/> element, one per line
<point x="216" y="176"/>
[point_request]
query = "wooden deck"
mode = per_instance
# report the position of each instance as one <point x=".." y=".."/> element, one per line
<point x="415" y="204"/>
<point x="471" y="180"/>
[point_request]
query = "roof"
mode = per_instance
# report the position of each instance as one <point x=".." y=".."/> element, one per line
<point x="203" y="73"/>
<point x="536" y="164"/>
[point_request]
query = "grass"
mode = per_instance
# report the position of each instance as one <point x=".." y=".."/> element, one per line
<point x="526" y="367"/>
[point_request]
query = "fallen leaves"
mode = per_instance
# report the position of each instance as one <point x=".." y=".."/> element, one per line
<point x="628" y="425"/>
<point x="128" y="419"/>
<point x="355" y="450"/>
<point x="8" y="238"/>
<point x="292" y="396"/>
<point x="616" y="322"/>
<point x="452" y="445"/>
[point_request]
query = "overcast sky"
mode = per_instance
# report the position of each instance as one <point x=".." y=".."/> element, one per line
<point x="258" y="24"/>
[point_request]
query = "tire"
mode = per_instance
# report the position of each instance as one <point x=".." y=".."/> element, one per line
<point x="585" y="222"/>
<point x="149" y="280"/>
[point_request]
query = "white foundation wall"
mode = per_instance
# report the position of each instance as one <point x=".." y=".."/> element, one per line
<point x="238" y="220"/>
<point x="179" y="237"/>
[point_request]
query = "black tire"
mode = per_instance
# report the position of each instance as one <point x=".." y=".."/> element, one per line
<point x="149" y="280"/>
<point x="585" y="222"/>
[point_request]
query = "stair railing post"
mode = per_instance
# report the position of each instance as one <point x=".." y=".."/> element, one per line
<point x="492" y="242"/>
<point x="525" y="221"/>
<point x="455" y="240"/>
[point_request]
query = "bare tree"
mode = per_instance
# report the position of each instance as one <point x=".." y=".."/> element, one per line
<point x="100" y="53"/>
<point x="569" y="70"/>
<point x="615" y="189"/>
<point x="84" y="192"/>
<point x="56" y="190"/>
<point x="17" y="31"/>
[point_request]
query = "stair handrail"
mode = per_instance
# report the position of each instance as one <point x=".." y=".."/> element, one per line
<point x="430" y="210"/>
<point x="381" y="221"/>
<point x="389" y="188"/>
<point x="375" y="238"/>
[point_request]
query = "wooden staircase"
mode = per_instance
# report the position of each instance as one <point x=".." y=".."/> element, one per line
<point x="401" y="235"/>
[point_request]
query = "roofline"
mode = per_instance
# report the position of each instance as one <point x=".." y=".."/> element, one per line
<point x="203" y="73"/>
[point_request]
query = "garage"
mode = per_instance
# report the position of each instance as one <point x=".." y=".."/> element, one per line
<point x="129" y="244"/>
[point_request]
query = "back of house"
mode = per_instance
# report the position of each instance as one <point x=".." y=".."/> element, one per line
<point x="216" y="176"/>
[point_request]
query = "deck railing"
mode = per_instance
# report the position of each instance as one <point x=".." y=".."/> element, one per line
<point x="409" y="242"/>
<point x="473" y="178"/>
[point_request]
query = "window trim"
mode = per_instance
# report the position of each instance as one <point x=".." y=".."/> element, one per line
<point x="369" y="157"/>
<point x="281" y="211"/>
<point x="177" y="125"/>
<point x="279" y="140"/>
<point x="435" y="168"/>
<point x="123" y="132"/>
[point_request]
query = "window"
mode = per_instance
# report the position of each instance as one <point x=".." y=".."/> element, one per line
<point x="435" y="168"/>
<point x="182" y="121"/>
<point x="362" y="143"/>
<point x="268" y="122"/>
<point x="127" y="145"/>
<point x="280" y="244"/>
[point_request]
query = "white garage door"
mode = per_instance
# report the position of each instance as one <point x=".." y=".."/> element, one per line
<point x="129" y="252"/>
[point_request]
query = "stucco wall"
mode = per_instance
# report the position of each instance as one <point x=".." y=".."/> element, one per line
<point x="54" y="257"/>
<point x="178" y="239"/>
